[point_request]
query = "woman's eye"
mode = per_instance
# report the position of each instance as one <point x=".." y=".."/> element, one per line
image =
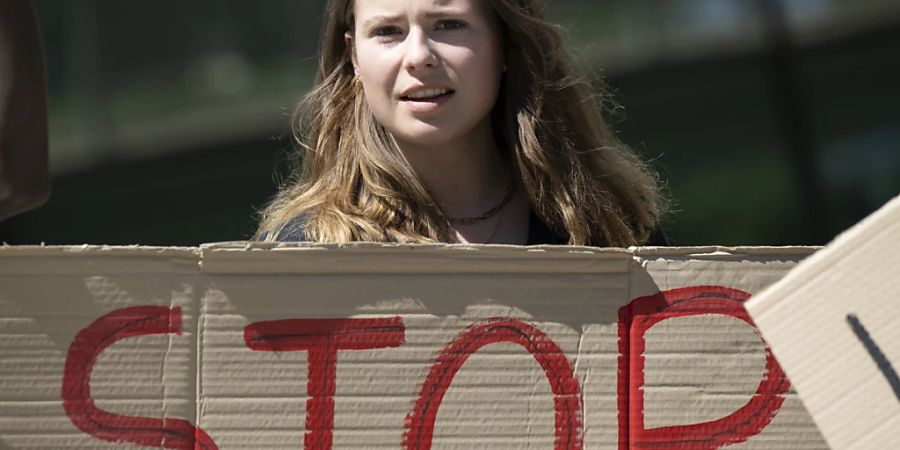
<point x="449" y="25"/>
<point x="386" y="31"/>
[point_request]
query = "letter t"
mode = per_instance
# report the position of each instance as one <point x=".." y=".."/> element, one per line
<point x="321" y="339"/>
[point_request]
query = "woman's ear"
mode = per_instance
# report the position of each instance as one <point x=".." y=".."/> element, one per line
<point x="348" y="41"/>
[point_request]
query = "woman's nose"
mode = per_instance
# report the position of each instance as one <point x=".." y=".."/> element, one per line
<point x="420" y="53"/>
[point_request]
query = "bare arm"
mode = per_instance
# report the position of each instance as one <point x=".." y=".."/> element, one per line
<point x="24" y="175"/>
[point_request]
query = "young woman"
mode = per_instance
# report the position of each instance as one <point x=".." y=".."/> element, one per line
<point x="457" y="121"/>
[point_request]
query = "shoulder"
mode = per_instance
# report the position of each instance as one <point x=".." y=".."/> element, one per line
<point x="539" y="233"/>
<point x="293" y="231"/>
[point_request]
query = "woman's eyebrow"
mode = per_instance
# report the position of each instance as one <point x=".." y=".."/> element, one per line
<point x="445" y="12"/>
<point x="385" y="18"/>
<point x="435" y="14"/>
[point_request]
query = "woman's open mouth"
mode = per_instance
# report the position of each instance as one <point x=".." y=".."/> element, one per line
<point x="426" y="100"/>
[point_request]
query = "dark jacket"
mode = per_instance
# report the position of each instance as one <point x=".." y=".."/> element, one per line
<point x="538" y="233"/>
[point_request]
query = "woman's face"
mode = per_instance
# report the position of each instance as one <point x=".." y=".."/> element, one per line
<point x="430" y="69"/>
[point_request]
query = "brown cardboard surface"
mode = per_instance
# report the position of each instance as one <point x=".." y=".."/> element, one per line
<point x="48" y="295"/>
<point x="389" y="346"/>
<point x="703" y="367"/>
<point x="572" y="295"/>
<point x="834" y="324"/>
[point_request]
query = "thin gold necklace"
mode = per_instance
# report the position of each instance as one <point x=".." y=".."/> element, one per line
<point x="510" y="191"/>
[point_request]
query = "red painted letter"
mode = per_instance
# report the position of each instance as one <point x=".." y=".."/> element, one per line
<point x="89" y="343"/>
<point x="567" y="404"/>
<point x="322" y="338"/>
<point x="638" y="317"/>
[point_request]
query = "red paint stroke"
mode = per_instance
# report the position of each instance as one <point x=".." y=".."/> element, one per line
<point x="322" y="338"/>
<point x="645" y="312"/>
<point x="567" y="402"/>
<point x="87" y="346"/>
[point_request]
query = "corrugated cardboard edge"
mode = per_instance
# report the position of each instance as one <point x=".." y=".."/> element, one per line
<point x="254" y="257"/>
<point x="239" y="256"/>
<point x="55" y="259"/>
<point x="249" y="256"/>
<point x="720" y="253"/>
<point x="112" y="250"/>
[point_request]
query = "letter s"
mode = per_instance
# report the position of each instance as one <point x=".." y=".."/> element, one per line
<point x="88" y="344"/>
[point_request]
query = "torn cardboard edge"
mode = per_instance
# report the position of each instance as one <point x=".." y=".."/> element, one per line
<point x="101" y="258"/>
<point x="262" y="257"/>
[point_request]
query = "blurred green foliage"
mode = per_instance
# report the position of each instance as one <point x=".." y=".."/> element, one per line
<point x="165" y="116"/>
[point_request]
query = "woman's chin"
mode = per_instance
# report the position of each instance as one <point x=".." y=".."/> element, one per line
<point x="424" y="135"/>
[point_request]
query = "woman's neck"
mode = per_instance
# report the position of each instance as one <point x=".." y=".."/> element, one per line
<point x="467" y="176"/>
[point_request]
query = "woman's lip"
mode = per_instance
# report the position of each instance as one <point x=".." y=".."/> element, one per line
<point x="426" y="88"/>
<point x="426" y="104"/>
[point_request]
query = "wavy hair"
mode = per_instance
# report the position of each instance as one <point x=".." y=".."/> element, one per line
<point x="353" y="183"/>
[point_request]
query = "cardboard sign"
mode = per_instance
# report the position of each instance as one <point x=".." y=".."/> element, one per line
<point x="834" y="323"/>
<point x="253" y="345"/>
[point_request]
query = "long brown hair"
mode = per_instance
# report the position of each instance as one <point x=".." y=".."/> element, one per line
<point x="355" y="185"/>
